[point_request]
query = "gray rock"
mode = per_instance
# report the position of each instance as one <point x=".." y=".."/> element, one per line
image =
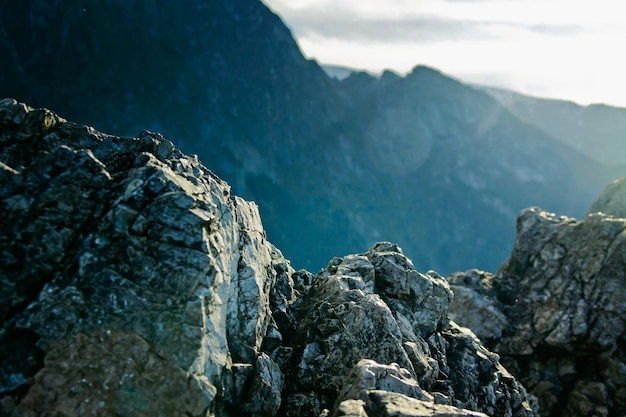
<point x="475" y="305"/>
<point x="612" y="201"/>
<point x="129" y="244"/>
<point x="562" y="294"/>
<point x="395" y="317"/>
<point x="388" y="404"/>
<point x="368" y="375"/>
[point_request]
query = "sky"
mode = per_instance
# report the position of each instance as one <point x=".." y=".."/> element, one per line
<point x="566" y="49"/>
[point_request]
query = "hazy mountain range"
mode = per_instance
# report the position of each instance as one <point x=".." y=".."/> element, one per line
<point x="438" y="166"/>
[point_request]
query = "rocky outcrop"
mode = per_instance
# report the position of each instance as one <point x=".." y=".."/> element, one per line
<point x="131" y="279"/>
<point x="612" y="201"/>
<point x="377" y="306"/>
<point x="556" y="310"/>
<point x="133" y="283"/>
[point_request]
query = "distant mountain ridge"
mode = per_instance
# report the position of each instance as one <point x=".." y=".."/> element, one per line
<point x="335" y="165"/>
<point x="597" y="130"/>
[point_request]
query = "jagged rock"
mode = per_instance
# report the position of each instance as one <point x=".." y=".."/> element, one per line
<point x="103" y="372"/>
<point x="388" y="404"/>
<point x="562" y="293"/>
<point x="133" y="283"/>
<point x="377" y="306"/>
<point x="130" y="242"/>
<point x="374" y="390"/>
<point x="612" y="201"/>
<point x="367" y="375"/>
<point x="474" y="304"/>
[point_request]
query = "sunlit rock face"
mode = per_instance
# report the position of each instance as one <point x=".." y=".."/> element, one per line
<point x="555" y="310"/>
<point x="133" y="283"/>
<point x="335" y="166"/>
<point x="131" y="278"/>
<point x="376" y="306"/>
<point x="612" y="201"/>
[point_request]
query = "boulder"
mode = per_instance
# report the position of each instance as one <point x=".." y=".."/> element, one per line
<point x="557" y="309"/>
<point x="131" y="279"/>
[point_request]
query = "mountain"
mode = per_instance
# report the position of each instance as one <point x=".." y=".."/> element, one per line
<point x="338" y="72"/>
<point x="597" y="130"/>
<point x="335" y="165"/>
<point x="454" y="156"/>
<point x="133" y="283"/>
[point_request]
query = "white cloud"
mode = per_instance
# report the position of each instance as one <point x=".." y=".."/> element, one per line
<point x="560" y="48"/>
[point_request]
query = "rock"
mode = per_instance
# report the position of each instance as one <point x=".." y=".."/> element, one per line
<point x="379" y="390"/>
<point x="562" y="294"/>
<point x="376" y="306"/>
<point x="387" y="404"/>
<point x="134" y="283"/>
<point x="264" y="395"/>
<point x="368" y="375"/>
<point x="101" y="371"/>
<point x="127" y="246"/>
<point x="475" y="304"/>
<point x="612" y="201"/>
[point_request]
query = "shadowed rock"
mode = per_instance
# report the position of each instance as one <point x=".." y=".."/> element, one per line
<point x="556" y="309"/>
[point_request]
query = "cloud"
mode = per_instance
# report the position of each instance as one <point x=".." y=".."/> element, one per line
<point x="381" y="30"/>
<point x="313" y="22"/>
<point x="560" y="48"/>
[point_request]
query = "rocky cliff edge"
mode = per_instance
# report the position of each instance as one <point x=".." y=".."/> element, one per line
<point x="133" y="283"/>
<point x="556" y="309"/>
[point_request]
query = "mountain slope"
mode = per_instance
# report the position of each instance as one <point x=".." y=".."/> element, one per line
<point x="334" y="165"/>
<point x="597" y="130"/>
<point x="457" y="165"/>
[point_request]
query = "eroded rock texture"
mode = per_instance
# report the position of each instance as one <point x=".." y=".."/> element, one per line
<point x="133" y="283"/>
<point x="556" y="310"/>
<point x="131" y="280"/>
<point x="376" y="306"/>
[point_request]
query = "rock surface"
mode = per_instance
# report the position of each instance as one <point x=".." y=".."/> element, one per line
<point x="123" y="245"/>
<point x="133" y="283"/>
<point x="556" y="310"/>
<point x="613" y="200"/>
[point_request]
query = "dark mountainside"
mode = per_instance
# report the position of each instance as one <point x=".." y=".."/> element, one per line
<point x="133" y="283"/>
<point x="424" y="161"/>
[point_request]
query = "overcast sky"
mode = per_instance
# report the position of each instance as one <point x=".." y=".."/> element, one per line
<point x="570" y="49"/>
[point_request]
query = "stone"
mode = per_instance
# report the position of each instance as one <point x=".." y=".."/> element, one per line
<point x="558" y="305"/>
<point x="474" y="304"/>
<point x="396" y="318"/>
<point x="612" y="201"/>
<point x="367" y="375"/>
<point x="115" y="372"/>
<point x="388" y="404"/>
<point x="134" y="260"/>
